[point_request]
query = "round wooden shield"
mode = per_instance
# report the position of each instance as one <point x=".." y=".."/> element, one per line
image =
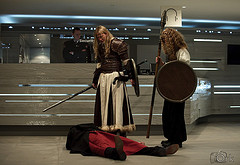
<point x="176" y="81"/>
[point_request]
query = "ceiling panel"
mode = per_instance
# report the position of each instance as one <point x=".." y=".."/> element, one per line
<point x="195" y="9"/>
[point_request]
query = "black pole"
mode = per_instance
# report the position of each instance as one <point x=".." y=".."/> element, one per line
<point x="163" y="22"/>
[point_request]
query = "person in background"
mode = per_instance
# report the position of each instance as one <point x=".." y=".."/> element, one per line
<point x="174" y="128"/>
<point x="112" y="108"/>
<point x="75" y="51"/>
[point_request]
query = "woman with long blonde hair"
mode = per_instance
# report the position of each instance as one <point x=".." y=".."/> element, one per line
<point x="112" y="107"/>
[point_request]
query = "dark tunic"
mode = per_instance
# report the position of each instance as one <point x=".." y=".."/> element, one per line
<point x="112" y="107"/>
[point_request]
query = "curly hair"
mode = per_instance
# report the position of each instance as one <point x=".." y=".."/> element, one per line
<point x="102" y="30"/>
<point x="172" y="41"/>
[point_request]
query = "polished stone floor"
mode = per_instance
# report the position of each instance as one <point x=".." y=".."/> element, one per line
<point x="203" y="147"/>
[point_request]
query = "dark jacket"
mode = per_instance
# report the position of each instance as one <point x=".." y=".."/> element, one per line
<point x="78" y="139"/>
<point x="81" y="52"/>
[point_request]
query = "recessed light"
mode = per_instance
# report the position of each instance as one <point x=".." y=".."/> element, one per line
<point x="206" y="40"/>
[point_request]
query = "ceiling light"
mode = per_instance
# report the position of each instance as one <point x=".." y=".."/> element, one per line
<point x="211" y="21"/>
<point x="10" y="18"/>
<point x="205" y="69"/>
<point x="50" y="101"/>
<point x="228" y="27"/>
<point x="226" y="86"/>
<point x="116" y="29"/>
<point x="133" y="24"/>
<point x="234" y="106"/>
<point x="207" y="40"/>
<point x="224" y="93"/>
<point x="188" y="26"/>
<point x="28" y="95"/>
<point x="202" y="61"/>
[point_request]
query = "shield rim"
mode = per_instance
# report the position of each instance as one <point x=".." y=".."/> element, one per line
<point x="136" y="86"/>
<point x="177" y="100"/>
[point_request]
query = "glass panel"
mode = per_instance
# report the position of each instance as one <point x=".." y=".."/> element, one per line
<point x="34" y="48"/>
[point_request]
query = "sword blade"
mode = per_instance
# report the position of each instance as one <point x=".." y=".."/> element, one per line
<point x="68" y="98"/>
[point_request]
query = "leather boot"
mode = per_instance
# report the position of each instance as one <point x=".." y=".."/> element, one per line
<point x="172" y="149"/>
<point x="116" y="153"/>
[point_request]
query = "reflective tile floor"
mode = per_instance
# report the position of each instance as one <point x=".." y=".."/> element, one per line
<point x="208" y="143"/>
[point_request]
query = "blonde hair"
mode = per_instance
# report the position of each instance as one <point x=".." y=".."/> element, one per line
<point x="102" y="30"/>
<point x="172" y="41"/>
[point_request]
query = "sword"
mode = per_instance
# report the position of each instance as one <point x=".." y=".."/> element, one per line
<point x="62" y="101"/>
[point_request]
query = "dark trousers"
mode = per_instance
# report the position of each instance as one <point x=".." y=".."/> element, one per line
<point x="174" y="127"/>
